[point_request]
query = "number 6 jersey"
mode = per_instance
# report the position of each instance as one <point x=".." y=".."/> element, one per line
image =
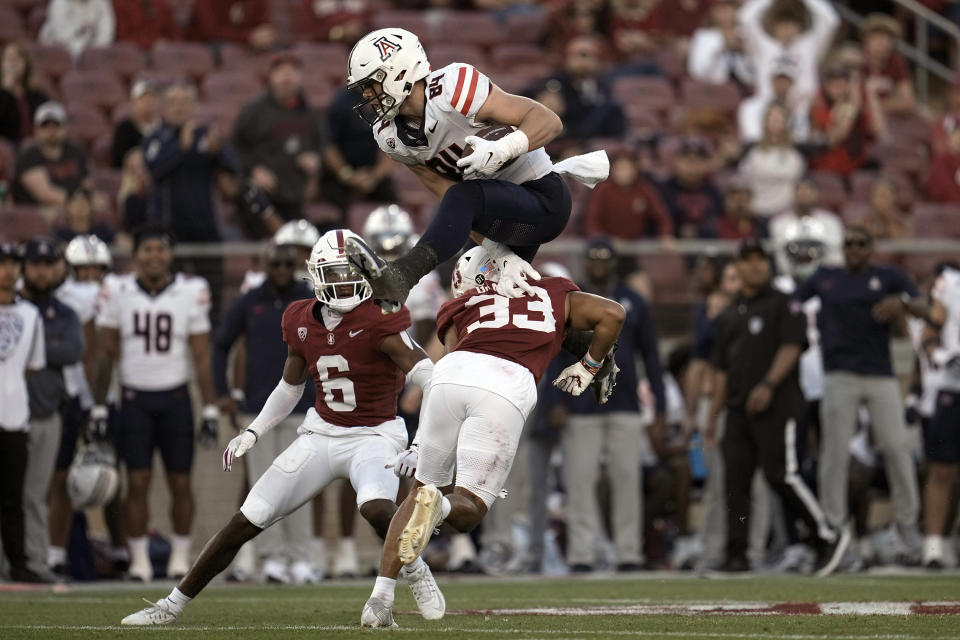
<point x="357" y="384"/>
<point x="154" y="328"/>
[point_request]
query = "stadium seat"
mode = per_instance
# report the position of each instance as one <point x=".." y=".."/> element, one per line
<point x="230" y="86"/>
<point x="668" y="274"/>
<point x="853" y="211"/>
<point x="86" y="124"/>
<point x="642" y="119"/>
<point x="123" y="58"/>
<point x="357" y="214"/>
<point x="11" y="24"/>
<point x="53" y="61"/>
<point x="326" y="59"/>
<point x="92" y="88"/>
<point x="319" y="90"/>
<point x="441" y="54"/>
<point x="107" y="180"/>
<point x="936" y="220"/>
<point x="862" y="181"/>
<point x="471" y="27"/>
<point x="721" y="97"/>
<point x="652" y="92"/>
<point x="183" y="58"/>
<point x="42" y="82"/>
<point x="902" y="157"/>
<point x="526" y="27"/>
<point x="410" y="20"/>
<point x="20" y="222"/>
<point x="506" y="56"/>
<point x="672" y="63"/>
<point x="220" y="114"/>
<point x="833" y="193"/>
<point x="8" y="159"/>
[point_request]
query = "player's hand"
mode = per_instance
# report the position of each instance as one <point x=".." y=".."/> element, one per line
<point x="97" y="424"/>
<point x="405" y="463"/>
<point x="576" y="378"/>
<point x="759" y="399"/>
<point x="237" y="447"/>
<point x="514" y="273"/>
<point x="209" y="426"/>
<point x="489" y="156"/>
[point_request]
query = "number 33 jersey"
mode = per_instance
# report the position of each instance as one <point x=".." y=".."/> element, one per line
<point x="155" y="328"/>
<point x="357" y="384"/>
<point x="528" y="331"/>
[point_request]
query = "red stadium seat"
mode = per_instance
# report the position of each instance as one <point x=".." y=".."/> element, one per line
<point x="642" y="119"/>
<point x="862" y="181"/>
<point x="853" y="212"/>
<point x="833" y="194"/>
<point x="410" y="20"/>
<point x="668" y="274"/>
<point x="319" y="90"/>
<point x="42" y="82"/>
<point x="526" y="27"/>
<point x="470" y="27"/>
<point x="329" y="60"/>
<point x="123" y="58"/>
<point x="20" y="222"/>
<point x="651" y="92"/>
<point x="506" y="56"/>
<point x="441" y="54"/>
<point x="231" y="85"/>
<point x="220" y="114"/>
<point x="94" y="88"/>
<point x="183" y="58"/>
<point x="11" y="24"/>
<point x="160" y="77"/>
<point x="53" y="61"/>
<point x="936" y="220"/>
<point x="107" y="180"/>
<point x="410" y="190"/>
<point x="720" y="97"/>
<point x="86" y="124"/>
<point x="8" y="159"/>
<point x="671" y="63"/>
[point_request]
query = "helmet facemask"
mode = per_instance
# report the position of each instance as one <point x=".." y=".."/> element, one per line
<point x="804" y="256"/>
<point x="375" y="104"/>
<point x="337" y="285"/>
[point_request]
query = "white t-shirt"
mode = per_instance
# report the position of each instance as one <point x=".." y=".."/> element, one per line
<point x="454" y="95"/>
<point x="772" y="172"/>
<point x="154" y="330"/>
<point x="22" y="347"/>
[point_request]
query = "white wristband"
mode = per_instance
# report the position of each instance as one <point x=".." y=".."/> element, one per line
<point x="99" y="412"/>
<point x="210" y="412"/>
<point x="515" y="144"/>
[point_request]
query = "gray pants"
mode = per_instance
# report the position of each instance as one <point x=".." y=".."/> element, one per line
<point x="538" y="457"/>
<point x="41" y="460"/>
<point x="843" y="394"/>
<point x="584" y="440"/>
<point x="288" y="539"/>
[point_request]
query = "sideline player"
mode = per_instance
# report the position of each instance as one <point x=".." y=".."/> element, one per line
<point x="506" y="191"/>
<point x="154" y="321"/>
<point x="481" y="393"/>
<point x="358" y="358"/>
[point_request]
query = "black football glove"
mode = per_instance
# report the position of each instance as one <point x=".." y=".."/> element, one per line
<point x="209" y="426"/>
<point x="606" y="378"/>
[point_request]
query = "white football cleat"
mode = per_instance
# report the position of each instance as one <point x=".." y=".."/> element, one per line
<point x="140" y="570"/>
<point x="424" y="519"/>
<point x="275" y="571"/>
<point x="156" y="614"/>
<point x="430" y="600"/>
<point x="377" y="615"/>
<point x="177" y="566"/>
<point x="345" y="564"/>
<point x="302" y="572"/>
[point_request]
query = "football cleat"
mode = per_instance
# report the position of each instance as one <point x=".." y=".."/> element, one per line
<point x="141" y="571"/>
<point x="377" y="615"/>
<point x="424" y="519"/>
<point x="430" y="600"/>
<point x="831" y="554"/>
<point x="389" y="289"/>
<point x="156" y="614"/>
<point x="275" y="571"/>
<point x="303" y="573"/>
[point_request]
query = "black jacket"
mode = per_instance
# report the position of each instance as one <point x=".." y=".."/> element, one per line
<point x="10" y="125"/>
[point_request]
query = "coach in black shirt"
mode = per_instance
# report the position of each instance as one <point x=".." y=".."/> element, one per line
<point x="759" y="340"/>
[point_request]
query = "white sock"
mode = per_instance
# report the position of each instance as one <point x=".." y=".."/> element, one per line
<point x="347" y="547"/>
<point x="138" y="550"/>
<point x="407" y="569"/>
<point x="177" y="600"/>
<point x="383" y="589"/>
<point x="318" y="553"/>
<point x="445" y="508"/>
<point x="932" y="548"/>
<point x="180" y="545"/>
<point x="56" y="556"/>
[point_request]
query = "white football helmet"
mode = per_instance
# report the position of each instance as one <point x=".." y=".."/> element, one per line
<point x="473" y="269"/>
<point x="88" y="250"/>
<point x="297" y="232"/>
<point x="389" y="231"/>
<point x="388" y="61"/>
<point x="92" y="480"/>
<point x="335" y="283"/>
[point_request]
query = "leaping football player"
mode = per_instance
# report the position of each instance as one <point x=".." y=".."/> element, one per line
<point x="481" y="393"/>
<point x="502" y="191"/>
<point x="358" y="358"/>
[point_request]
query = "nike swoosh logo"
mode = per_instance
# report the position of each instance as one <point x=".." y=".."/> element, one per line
<point x="433" y="128"/>
<point x="353" y="334"/>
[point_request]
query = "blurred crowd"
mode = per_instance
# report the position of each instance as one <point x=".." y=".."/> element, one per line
<point x="765" y="119"/>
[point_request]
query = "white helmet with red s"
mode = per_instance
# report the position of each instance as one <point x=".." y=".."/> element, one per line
<point x="335" y="283"/>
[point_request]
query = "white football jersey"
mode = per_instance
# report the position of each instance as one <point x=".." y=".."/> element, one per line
<point x="81" y="297"/>
<point x="454" y="95"/>
<point x="426" y="297"/>
<point x="811" y="360"/>
<point x="946" y="290"/>
<point x="154" y="329"/>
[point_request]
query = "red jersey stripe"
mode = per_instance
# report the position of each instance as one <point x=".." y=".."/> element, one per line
<point x="473" y="90"/>
<point x="456" y="94"/>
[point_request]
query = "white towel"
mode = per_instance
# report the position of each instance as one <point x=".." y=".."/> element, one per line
<point x="590" y="168"/>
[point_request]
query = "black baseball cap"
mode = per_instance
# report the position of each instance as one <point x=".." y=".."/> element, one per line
<point x="599" y="248"/>
<point x="152" y="230"/>
<point x="42" y="250"/>
<point x="9" y="250"/>
<point x="752" y="246"/>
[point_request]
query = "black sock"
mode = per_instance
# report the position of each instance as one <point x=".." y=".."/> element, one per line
<point x="416" y="263"/>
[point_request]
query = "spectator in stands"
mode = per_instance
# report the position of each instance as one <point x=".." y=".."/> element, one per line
<point x="807" y="220"/>
<point x="678" y="20"/>
<point x="689" y="193"/>
<point x="889" y="71"/>
<point x="716" y="53"/>
<point x="342" y="22"/>
<point x="353" y="167"/>
<point x="51" y="167"/>
<point x="860" y="304"/>
<point x="80" y="219"/>
<point x="256" y="317"/>
<point x="787" y="39"/>
<point x="590" y="108"/>
<point x="614" y="427"/>
<point x="752" y="111"/>
<point x="144" y="22"/>
<point x="773" y="166"/>
<point x="738" y="221"/>
<point x="240" y="21"/>
<point x="947" y="123"/>
<point x="885" y="220"/>
<point x="18" y="99"/>
<point x="43" y="271"/>
<point x="277" y="139"/>
<point x="635" y="30"/>
<point x="132" y="194"/>
<point x="943" y="175"/>
<point x="572" y="18"/>
<point x="846" y="119"/>
<point x="627" y="206"/>
<point x="144" y="117"/>
<point x="24" y="354"/>
<point x="78" y="24"/>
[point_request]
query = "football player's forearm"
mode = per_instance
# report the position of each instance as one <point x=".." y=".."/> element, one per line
<point x="541" y="125"/>
<point x="719" y="393"/>
<point x="102" y="372"/>
<point x="606" y="330"/>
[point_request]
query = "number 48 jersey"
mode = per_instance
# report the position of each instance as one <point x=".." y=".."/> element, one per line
<point x="155" y="329"/>
<point x="528" y="331"/>
<point x="454" y="95"/>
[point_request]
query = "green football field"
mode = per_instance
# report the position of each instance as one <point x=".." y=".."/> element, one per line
<point x="914" y="607"/>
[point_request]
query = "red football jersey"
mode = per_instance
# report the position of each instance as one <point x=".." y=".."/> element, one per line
<point x="357" y="384"/>
<point x="527" y="330"/>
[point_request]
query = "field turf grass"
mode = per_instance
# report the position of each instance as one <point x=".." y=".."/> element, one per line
<point x="333" y="610"/>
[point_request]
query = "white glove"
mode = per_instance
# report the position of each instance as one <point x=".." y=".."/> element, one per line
<point x="237" y="447"/>
<point x="405" y="463"/>
<point x="575" y="379"/>
<point x="489" y="156"/>
<point x="514" y="273"/>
